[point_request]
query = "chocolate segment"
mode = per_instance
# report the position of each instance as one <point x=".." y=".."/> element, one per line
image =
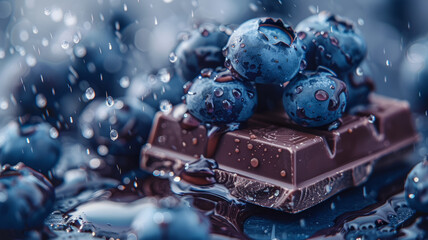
<point x="275" y="163"/>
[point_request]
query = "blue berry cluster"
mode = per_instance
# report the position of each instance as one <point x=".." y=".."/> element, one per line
<point x="316" y="71"/>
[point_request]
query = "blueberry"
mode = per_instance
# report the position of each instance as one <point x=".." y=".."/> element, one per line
<point x="27" y="198"/>
<point x="331" y="41"/>
<point x="44" y="90"/>
<point x="201" y="49"/>
<point x="118" y="129"/>
<point x="359" y="85"/>
<point x="36" y="145"/>
<point x="99" y="63"/>
<point x="216" y="97"/>
<point x="170" y="219"/>
<point x="153" y="89"/>
<point x="314" y="99"/>
<point x="416" y="187"/>
<point x="263" y="50"/>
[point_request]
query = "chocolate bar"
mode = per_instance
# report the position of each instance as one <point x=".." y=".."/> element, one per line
<point x="274" y="163"/>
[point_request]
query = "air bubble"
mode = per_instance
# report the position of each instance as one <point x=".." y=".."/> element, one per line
<point x="90" y="93"/>
<point x="114" y="135"/>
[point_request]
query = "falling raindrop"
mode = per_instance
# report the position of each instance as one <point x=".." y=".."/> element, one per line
<point x="165" y="106"/>
<point x="388" y="63"/>
<point x="172" y="57"/>
<point x="65" y="45"/>
<point x="109" y="46"/>
<point x="102" y="150"/>
<point x="156" y="21"/>
<point x="109" y="101"/>
<point x="31" y="60"/>
<point x="41" y="100"/>
<point x="114" y="135"/>
<point x="124" y="82"/>
<point x="359" y="71"/>
<point x="80" y="51"/>
<point x="90" y="93"/>
<point x="87" y="132"/>
<point x="125" y="7"/>
<point x="4" y="104"/>
<point x="2" y="53"/>
<point x="164" y="75"/>
<point x="371" y="118"/>
<point x="53" y="133"/>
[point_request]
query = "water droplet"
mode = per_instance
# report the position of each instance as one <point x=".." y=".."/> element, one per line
<point x="94" y="163"/>
<point x="53" y="133"/>
<point x="87" y="132"/>
<point x="109" y="101"/>
<point x="227" y="105"/>
<point x="125" y="7"/>
<point x="371" y="118"/>
<point x="164" y="75"/>
<point x="359" y="71"/>
<point x="65" y="45"/>
<point x="254" y="162"/>
<point x="156" y="21"/>
<point x="4" y="104"/>
<point x="124" y="82"/>
<point x="253" y="7"/>
<point x="411" y="195"/>
<point x="415" y="179"/>
<point x="360" y="21"/>
<point x="28" y="140"/>
<point x="31" y="60"/>
<point x="109" y="46"/>
<point x="172" y="57"/>
<point x="35" y="30"/>
<point x="218" y="92"/>
<point x="102" y="150"/>
<point x="2" y="53"/>
<point x="321" y="95"/>
<point x="114" y="135"/>
<point x="41" y="100"/>
<point x="388" y="63"/>
<point x="47" y="12"/>
<point x="90" y="93"/>
<point x="165" y="106"/>
<point x="45" y="42"/>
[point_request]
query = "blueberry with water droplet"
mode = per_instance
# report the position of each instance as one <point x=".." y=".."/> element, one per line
<point x="269" y="53"/>
<point x="170" y="219"/>
<point x="202" y="49"/>
<point x="331" y="41"/>
<point x="314" y="99"/>
<point x="219" y="98"/>
<point x="416" y="187"/>
<point x="157" y="87"/>
<point x="26" y="198"/>
<point x="119" y="130"/>
<point x="32" y="144"/>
